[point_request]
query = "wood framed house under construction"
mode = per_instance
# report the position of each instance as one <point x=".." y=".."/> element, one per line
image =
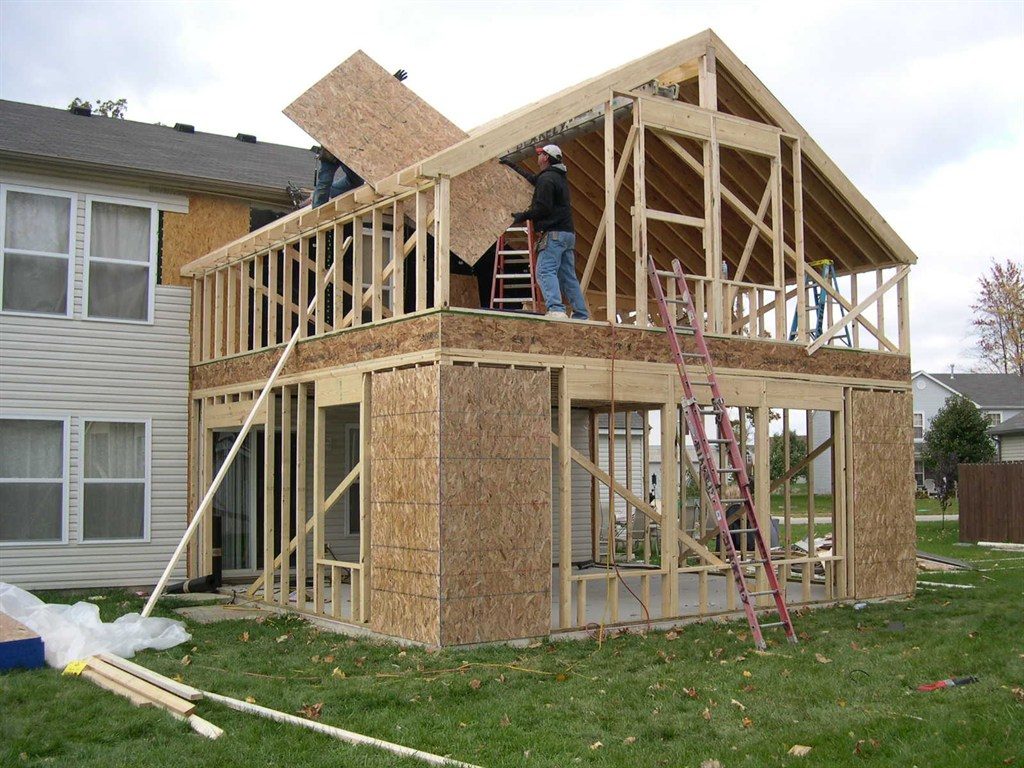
<point x="428" y="468"/>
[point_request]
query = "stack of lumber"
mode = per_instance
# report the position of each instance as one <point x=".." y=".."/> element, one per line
<point x="145" y="688"/>
<point x="20" y="647"/>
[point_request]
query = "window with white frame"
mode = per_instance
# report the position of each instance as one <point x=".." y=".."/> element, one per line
<point x="918" y="426"/>
<point x="115" y="480"/>
<point x="33" y="480"/>
<point x="120" y="259"/>
<point x="36" y="255"/>
<point x="994" y="417"/>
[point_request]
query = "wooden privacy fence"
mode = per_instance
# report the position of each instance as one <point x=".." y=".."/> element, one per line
<point x="992" y="502"/>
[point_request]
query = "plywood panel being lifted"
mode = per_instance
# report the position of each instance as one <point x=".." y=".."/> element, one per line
<point x="378" y="126"/>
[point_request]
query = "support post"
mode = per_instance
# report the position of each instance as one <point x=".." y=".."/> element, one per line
<point x="301" y="515"/>
<point x="365" y="518"/>
<point x="377" y="268"/>
<point x="565" y="501"/>
<point x="798" y="241"/>
<point x="609" y="210"/>
<point x="319" y="451"/>
<point x="285" y="535"/>
<point x="639" y="220"/>
<point x="669" y="509"/>
<point x="442" y="241"/>
<point x="269" y="528"/>
<point x="357" y="271"/>
<point x="421" y="250"/>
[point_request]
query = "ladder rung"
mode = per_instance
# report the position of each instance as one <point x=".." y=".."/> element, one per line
<point x="676" y="301"/>
<point x="664" y="273"/>
<point x="522" y="300"/>
<point x="752" y="562"/>
<point x="773" y="624"/>
<point x="517" y="229"/>
<point x="692" y="354"/>
<point x="513" y="253"/>
<point x="742" y="530"/>
<point x="513" y="276"/>
<point x="721" y="441"/>
<point x="729" y="470"/>
<point x="761" y="593"/>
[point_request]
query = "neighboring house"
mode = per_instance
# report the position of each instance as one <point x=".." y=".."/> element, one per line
<point x="1009" y="436"/>
<point x="999" y="396"/>
<point x="97" y="217"/>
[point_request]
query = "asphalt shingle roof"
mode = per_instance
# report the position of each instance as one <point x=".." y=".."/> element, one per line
<point x="986" y="389"/>
<point x="1009" y="427"/>
<point x="28" y="130"/>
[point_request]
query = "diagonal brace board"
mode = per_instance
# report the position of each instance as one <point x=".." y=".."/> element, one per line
<point x="636" y="502"/>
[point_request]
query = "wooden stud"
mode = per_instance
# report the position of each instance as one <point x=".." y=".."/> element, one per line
<point x="879" y="282"/>
<point x="610" y="191"/>
<point x="629" y="484"/>
<point x="258" y="299"/>
<point x="442" y="241"/>
<point x="646" y="468"/>
<point x="581" y="603"/>
<point x="272" y="309"/>
<point x="640" y="221"/>
<point x="669" y="512"/>
<point x="787" y="495"/>
<point x="232" y="286"/>
<point x="208" y="323"/>
<point x="808" y="568"/>
<point x="762" y="495"/>
<point x="778" y="259"/>
<point x="357" y="270"/>
<point x="595" y="499"/>
<point x="207" y="479"/>
<point x="269" y="528"/>
<point x="854" y="327"/>
<point x="421" y="250"/>
<point x="285" y="535"/>
<point x="903" y="306"/>
<point x="321" y="270"/>
<point x="377" y="265"/>
<point x="303" y="287"/>
<point x="398" y="260"/>
<point x="839" y="470"/>
<point x="565" y="498"/>
<point x="287" y="302"/>
<point x="610" y="448"/>
<point x="319" y="456"/>
<point x="365" y="518"/>
<point x="301" y="515"/>
<point x="196" y="331"/>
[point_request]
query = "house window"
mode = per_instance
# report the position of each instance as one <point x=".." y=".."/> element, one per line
<point x="120" y="260"/>
<point x="994" y="417"/>
<point x="918" y="426"/>
<point x="115" y="480"/>
<point x="33" y="480"/>
<point x="35" y="260"/>
<point x="919" y="472"/>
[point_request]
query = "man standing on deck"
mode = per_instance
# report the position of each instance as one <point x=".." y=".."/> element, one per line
<point x="551" y="215"/>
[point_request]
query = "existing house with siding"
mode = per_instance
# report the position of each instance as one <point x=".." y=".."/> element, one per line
<point x="97" y="216"/>
<point x="999" y="396"/>
<point x="1009" y="437"/>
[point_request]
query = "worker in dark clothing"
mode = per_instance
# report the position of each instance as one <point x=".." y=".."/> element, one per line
<point x="551" y="215"/>
<point x="333" y="178"/>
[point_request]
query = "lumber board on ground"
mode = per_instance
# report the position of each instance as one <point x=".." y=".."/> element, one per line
<point x="171" y="686"/>
<point x="378" y="126"/>
<point x="158" y="696"/>
<point x="121" y="690"/>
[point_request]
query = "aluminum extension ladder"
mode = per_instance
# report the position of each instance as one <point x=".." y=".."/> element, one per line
<point x="712" y="475"/>
<point x="515" y="267"/>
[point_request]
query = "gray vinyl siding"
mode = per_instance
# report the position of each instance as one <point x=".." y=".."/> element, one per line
<point x="75" y="369"/>
<point x="581" y="550"/>
<point x="1011" y="448"/>
<point x="67" y="367"/>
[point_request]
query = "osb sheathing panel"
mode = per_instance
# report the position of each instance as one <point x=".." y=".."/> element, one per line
<point x="884" y="536"/>
<point x="210" y="223"/>
<point x="454" y="330"/>
<point x="378" y="126"/>
<point x="464" y="292"/>
<point x="404" y="493"/>
<point x="495" y="504"/>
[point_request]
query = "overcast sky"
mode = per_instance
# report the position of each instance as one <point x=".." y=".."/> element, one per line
<point x="919" y="103"/>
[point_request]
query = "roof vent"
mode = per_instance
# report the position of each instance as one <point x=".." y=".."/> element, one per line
<point x="248" y="138"/>
<point x="83" y="110"/>
<point x="184" y="128"/>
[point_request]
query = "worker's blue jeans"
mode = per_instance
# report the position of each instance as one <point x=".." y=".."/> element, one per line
<point x="331" y="181"/>
<point x="556" y="274"/>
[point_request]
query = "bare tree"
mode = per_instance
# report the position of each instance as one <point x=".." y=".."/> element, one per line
<point x="999" y="318"/>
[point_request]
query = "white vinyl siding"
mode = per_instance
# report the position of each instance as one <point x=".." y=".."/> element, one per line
<point x="1011" y="448"/>
<point x="67" y="368"/>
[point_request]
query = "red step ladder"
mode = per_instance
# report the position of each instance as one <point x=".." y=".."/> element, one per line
<point x="711" y="474"/>
<point x="515" y="265"/>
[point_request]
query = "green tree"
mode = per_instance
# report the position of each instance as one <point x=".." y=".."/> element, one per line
<point x="956" y="436"/>
<point x="777" y="454"/>
<point x="109" y="108"/>
<point x="999" y="318"/>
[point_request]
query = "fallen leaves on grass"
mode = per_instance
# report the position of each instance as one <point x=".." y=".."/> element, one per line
<point x="475" y="684"/>
<point x="596" y="745"/>
<point x="311" y="711"/>
<point x="244" y="637"/>
<point x="186" y="660"/>
<point x="799" y="750"/>
<point x="338" y="673"/>
<point x="822" y="659"/>
<point x="505" y="722"/>
<point x="747" y="722"/>
<point x="283" y="638"/>
<point x="250" y="699"/>
<point x="671" y="635"/>
<point x="738" y="704"/>
<point x="629" y="740"/>
<point x="711" y="764"/>
<point x="691" y="692"/>
<point x="1018" y="693"/>
<point x="746" y="673"/>
<point x="706" y="714"/>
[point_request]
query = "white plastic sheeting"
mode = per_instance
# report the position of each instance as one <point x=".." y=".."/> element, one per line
<point x="72" y="632"/>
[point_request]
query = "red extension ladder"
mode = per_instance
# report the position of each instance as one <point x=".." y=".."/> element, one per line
<point x="711" y="474"/>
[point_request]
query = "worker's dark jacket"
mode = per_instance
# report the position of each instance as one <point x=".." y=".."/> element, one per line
<point x="550" y="210"/>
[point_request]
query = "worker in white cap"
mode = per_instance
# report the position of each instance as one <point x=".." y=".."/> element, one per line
<point x="551" y="215"/>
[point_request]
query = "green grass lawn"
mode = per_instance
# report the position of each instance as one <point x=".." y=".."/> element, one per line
<point x="823" y="506"/>
<point x="678" y="699"/>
